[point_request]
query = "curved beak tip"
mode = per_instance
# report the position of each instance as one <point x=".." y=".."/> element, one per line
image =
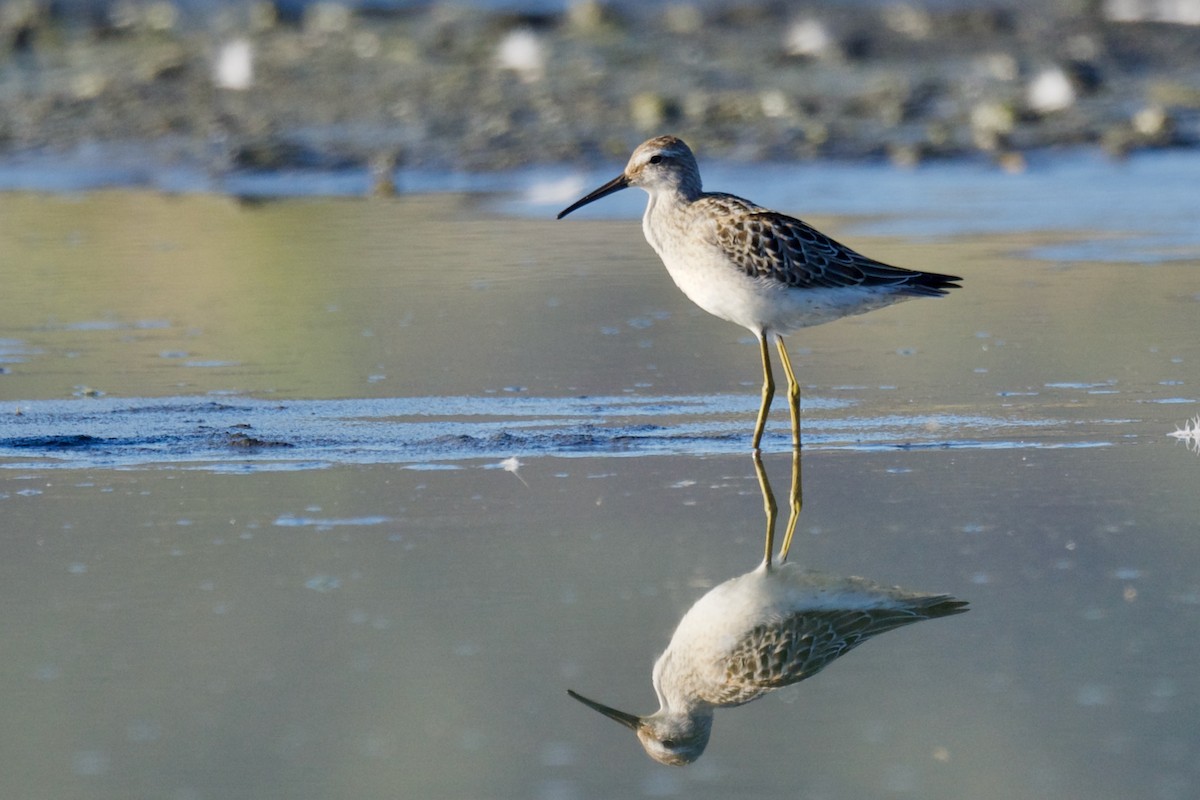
<point x="630" y="721"/>
<point x="615" y="185"/>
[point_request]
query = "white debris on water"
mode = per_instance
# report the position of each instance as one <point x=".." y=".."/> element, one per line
<point x="1189" y="434"/>
<point x="512" y="464"/>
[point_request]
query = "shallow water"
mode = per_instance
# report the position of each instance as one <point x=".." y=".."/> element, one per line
<point x="1150" y="219"/>
<point x="262" y="536"/>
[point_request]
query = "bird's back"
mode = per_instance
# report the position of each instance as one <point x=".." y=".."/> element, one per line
<point x="767" y="244"/>
<point x="779" y="654"/>
<point x="772" y="628"/>
<point x="769" y="272"/>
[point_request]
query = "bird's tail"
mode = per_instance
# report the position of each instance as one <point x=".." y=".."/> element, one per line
<point x="931" y="284"/>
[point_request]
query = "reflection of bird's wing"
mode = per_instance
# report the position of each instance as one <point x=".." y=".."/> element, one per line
<point x="766" y="244"/>
<point x="780" y="653"/>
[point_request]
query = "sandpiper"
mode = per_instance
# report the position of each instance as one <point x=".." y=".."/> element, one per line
<point x="772" y="627"/>
<point x="766" y="271"/>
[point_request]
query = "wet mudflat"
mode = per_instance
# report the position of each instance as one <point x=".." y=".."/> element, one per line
<point x="263" y="536"/>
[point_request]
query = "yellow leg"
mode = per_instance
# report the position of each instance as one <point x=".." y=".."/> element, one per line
<point x="768" y="391"/>
<point x="793" y="392"/>
<point x="769" y="506"/>
<point x="796" y="503"/>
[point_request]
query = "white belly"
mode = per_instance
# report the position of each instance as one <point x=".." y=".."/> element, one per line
<point x="763" y="305"/>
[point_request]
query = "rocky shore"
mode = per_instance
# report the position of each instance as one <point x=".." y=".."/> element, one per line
<point x="260" y="86"/>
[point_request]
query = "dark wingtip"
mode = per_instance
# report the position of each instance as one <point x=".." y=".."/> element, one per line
<point x="934" y="284"/>
<point x="947" y="606"/>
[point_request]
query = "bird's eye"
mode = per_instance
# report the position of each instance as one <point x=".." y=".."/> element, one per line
<point x="656" y="159"/>
<point x="670" y="744"/>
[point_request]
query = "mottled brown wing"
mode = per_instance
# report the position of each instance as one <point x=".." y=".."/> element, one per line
<point x="775" y="655"/>
<point x="764" y="243"/>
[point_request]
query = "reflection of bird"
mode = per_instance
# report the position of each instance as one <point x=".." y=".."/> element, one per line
<point x="772" y="627"/>
<point x="763" y="270"/>
<point x="769" y="628"/>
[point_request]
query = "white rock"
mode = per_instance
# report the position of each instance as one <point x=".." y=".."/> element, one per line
<point x="1051" y="90"/>
<point x="522" y="52"/>
<point x="809" y="38"/>
<point x="234" y="65"/>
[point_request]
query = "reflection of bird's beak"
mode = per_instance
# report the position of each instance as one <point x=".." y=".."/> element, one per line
<point x="615" y="185"/>
<point x="628" y="720"/>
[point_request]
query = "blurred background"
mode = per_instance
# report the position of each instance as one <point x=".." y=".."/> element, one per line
<point x="476" y="86"/>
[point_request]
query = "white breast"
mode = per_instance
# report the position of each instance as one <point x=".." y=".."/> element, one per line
<point x="687" y="246"/>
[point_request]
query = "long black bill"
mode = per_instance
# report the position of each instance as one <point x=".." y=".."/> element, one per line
<point x="628" y="720"/>
<point x="615" y="185"/>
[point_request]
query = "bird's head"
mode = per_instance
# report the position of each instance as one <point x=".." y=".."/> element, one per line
<point x="664" y="163"/>
<point x="669" y="737"/>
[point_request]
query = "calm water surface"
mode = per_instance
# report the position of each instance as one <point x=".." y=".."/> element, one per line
<point x="258" y="539"/>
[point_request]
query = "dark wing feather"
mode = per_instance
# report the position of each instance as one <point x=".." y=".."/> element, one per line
<point x="766" y="244"/>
